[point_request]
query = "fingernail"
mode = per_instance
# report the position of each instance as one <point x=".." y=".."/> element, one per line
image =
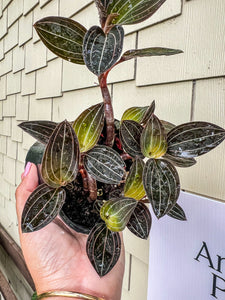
<point x="27" y="169"/>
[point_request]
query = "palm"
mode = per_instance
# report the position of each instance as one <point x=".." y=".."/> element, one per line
<point x="56" y="257"/>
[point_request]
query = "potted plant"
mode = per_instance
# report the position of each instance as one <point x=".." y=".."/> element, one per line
<point x="96" y="172"/>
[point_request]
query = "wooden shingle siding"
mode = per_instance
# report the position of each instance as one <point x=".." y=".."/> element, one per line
<point x="35" y="84"/>
<point x="198" y="32"/>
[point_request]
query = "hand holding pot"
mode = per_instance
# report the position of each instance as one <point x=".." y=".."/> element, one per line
<point x="56" y="255"/>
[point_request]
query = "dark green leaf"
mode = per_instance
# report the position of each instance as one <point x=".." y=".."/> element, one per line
<point x="167" y="126"/>
<point x="181" y="162"/>
<point x="102" y="51"/>
<point x="40" y="130"/>
<point x="88" y="126"/>
<point x="162" y="185"/>
<point x="153" y="139"/>
<point x="134" y="186"/>
<point x="103" y="248"/>
<point x="194" y="139"/>
<point x="130" y="134"/>
<point x="35" y="153"/>
<point x="149" y="52"/>
<point x="177" y="212"/>
<point x="140" y="221"/>
<point x="117" y="212"/>
<point x="42" y="207"/>
<point x="63" y="36"/>
<point x="132" y="11"/>
<point x="149" y="112"/>
<point x="61" y="157"/>
<point x="104" y="164"/>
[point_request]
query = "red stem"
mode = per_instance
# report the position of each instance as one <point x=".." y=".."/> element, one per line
<point x="92" y="187"/>
<point x="109" y="116"/>
<point x="83" y="173"/>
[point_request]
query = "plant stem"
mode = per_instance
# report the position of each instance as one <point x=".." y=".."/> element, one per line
<point x="109" y="116"/>
<point x="92" y="187"/>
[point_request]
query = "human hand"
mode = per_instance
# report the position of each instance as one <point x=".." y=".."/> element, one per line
<point x="56" y="255"/>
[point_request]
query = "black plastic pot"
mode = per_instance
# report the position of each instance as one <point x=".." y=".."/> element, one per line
<point x="78" y="212"/>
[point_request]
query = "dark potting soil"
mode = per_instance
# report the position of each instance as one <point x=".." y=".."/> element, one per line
<point x="78" y="211"/>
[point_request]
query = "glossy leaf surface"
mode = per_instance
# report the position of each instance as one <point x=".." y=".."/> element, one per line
<point x="130" y="135"/>
<point x="139" y="114"/>
<point x="132" y="11"/>
<point x="153" y="139"/>
<point x="103" y="248"/>
<point x="40" y="130"/>
<point x="104" y="164"/>
<point x="149" y="52"/>
<point x="61" y="157"/>
<point x="88" y="126"/>
<point x="194" y="139"/>
<point x="63" y="36"/>
<point x="140" y="221"/>
<point x="148" y="114"/>
<point x="102" y="51"/>
<point x="162" y="185"/>
<point x="117" y="212"/>
<point x="177" y="212"/>
<point x="134" y="186"/>
<point x="181" y="162"/>
<point x="42" y="207"/>
<point x="134" y="114"/>
<point x="35" y="153"/>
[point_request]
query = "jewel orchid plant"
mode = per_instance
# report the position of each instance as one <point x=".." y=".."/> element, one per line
<point x="96" y="172"/>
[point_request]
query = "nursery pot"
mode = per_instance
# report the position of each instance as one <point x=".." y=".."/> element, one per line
<point x="78" y="211"/>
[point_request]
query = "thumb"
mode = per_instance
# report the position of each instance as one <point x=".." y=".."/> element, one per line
<point x="27" y="186"/>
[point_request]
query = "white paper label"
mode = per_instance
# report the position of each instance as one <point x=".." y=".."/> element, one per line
<point x="187" y="258"/>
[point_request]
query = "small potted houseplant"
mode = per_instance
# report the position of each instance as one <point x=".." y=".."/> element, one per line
<point x="96" y="172"/>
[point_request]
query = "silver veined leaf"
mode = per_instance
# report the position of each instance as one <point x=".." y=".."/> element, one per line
<point x="88" y="126"/>
<point x="181" y="162"/>
<point x="63" y="36"/>
<point x="149" y="52"/>
<point x="162" y="185"/>
<point x="153" y="139"/>
<point x="135" y="113"/>
<point x="140" y="221"/>
<point x="177" y="212"/>
<point x="101" y="51"/>
<point x="61" y="158"/>
<point x="194" y="139"/>
<point x="139" y="114"/>
<point x="104" y="164"/>
<point x="42" y="207"/>
<point x="117" y="212"/>
<point x="40" y="130"/>
<point x="132" y="11"/>
<point x="148" y="114"/>
<point x="130" y="134"/>
<point x="103" y="248"/>
<point x="134" y="185"/>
